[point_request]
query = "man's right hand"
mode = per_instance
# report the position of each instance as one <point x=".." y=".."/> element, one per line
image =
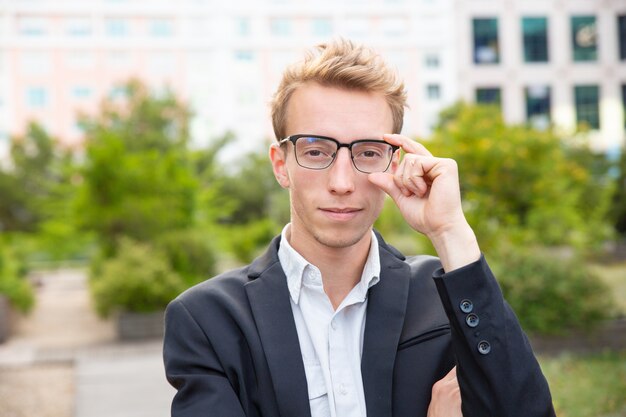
<point x="446" y="397"/>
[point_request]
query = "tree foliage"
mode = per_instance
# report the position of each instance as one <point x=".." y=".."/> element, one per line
<point x="27" y="180"/>
<point x="138" y="179"/>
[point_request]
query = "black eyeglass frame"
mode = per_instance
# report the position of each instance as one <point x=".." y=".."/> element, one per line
<point x="294" y="138"/>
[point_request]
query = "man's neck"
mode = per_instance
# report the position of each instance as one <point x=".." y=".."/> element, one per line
<point x="341" y="268"/>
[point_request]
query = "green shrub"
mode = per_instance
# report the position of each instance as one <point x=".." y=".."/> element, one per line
<point x="190" y="253"/>
<point x="551" y="294"/>
<point x="247" y="240"/>
<point x="137" y="279"/>
<point x="13" y="283"/>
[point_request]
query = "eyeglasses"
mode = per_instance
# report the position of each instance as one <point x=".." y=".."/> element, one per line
<point x="319" y="152"/>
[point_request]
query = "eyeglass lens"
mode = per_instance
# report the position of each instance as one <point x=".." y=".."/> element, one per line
<point x="367" y="156"/>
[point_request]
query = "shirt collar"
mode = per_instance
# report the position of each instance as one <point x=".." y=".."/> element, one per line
<point x="295" y="266"/>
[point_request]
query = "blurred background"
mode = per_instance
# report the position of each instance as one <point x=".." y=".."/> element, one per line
<point x="133" y="141"/>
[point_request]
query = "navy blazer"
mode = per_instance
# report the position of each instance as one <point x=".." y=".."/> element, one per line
<point x="231" y="347"/>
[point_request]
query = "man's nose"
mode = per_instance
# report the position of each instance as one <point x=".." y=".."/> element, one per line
<point x="342" y="173"/>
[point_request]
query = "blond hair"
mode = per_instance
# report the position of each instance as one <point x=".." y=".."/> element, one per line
<point x="342" y="64"/>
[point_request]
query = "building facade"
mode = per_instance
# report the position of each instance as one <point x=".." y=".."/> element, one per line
<point x="59" y="58"/>
<point x="547" y="62"/>
<point x="560" y="62"/>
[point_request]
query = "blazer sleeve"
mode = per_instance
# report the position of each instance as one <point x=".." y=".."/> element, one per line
<point x="192" y="367"/>
<point x="497" y="371"/>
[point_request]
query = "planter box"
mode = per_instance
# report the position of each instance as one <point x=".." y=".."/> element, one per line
<point x="6" y="318"/>
<point x="610" y="335"/>
<point x="140" y="326"/>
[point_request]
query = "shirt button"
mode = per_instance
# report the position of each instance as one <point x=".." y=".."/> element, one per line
<point x="484" y="347"/>
<point x="466" y="306"/>
<point x="333" y="324"/>
<point x="342" y="389"/>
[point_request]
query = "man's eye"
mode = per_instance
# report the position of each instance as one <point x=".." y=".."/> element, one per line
<point x="369" y="154"/>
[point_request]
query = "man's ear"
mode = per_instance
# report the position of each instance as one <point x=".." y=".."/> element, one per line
<point x="279" y="164"/>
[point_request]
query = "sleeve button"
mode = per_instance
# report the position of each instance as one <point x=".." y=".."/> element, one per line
<point x="466" y="306"/>
<point x="484" y="347"/>
<point x="472" y="320"/>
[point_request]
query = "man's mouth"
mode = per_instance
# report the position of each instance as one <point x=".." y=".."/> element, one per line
<point x="341" y="213"/>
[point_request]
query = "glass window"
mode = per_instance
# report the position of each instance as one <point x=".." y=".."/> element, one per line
<point x="80" y="92"/>
<point x="79" y="59"/>
<point x="431" y="61"/>
<point x="32" y="26"/>
<point x="395" y="26"/>
<point x="486" y="49"/>
<point x="587" y="99"/>
<point x="117" y="27"/>
<point x="488" y="95"/>
<point x="322" y="26"/>
<point x="433" y="91"/>
<point x="244" y="55"/>
<point x="118" y="59"/>
<point x="161" y="28"/>
<point x="584" y="38"/>
<point x="357" y="26"/>
<point x="538" y="106"/>
<point x="35" y="62"/>
<point x="535" y="34"/>
<point x="621" y="34"/>
<point x="280" y="27"/>
<point x="36" y="97"/>
<point x="242" y="26"/>
<point x="78" y="27"/>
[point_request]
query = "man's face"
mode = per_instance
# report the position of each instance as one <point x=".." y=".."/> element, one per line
<point x="337" y="206"/>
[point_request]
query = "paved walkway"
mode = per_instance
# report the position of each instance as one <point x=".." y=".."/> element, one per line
<point x="63" y="361"/>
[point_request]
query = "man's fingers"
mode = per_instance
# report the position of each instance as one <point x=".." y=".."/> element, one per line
<point x="407" y="144"/>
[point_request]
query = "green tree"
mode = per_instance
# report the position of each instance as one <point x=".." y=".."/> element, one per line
<point x="27" y="180"/>
<point x="618" y="209"/>
<point x="524" y="185"/>
<point x="138" y="178"/>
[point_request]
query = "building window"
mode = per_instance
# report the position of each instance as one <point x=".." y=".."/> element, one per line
<point x="587" y="99"/>
<point x="79" y="27"/>
<point x="538" y="106"/>
<point x="621" y="34"/>
<point x="32" y="26"/>
<point x="357" y="27"/>
<point x="584" y="38"/>
<point x="431" y="61"/>
<point x="486" y="49"/>
<point x="535" y="33"/>
<point x="117" y="28"/>
<point x="244" y="55"/>
<point x="394" y="26"/>
<point x="79" y="59"/>
<point x="280" y="27"/>
<point x="433" y="91"/>
<point x="488" y="95"/>
<point x="161" y="28"/>
<point x="80" y="92"/>
<point x="35" y="62"/>
<point x="242" y="26"/>
<point x="36" y="97"/>
<point x="322" y="27"/>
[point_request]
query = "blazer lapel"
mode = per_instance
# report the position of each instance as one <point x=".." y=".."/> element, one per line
<point x="269" y="299"/>
<point x="386" y="309"/>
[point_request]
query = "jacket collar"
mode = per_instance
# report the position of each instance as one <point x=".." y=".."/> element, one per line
<point x="269" y="299"/>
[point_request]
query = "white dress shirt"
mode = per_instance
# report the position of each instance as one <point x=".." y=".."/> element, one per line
<point x="331" y="341"/>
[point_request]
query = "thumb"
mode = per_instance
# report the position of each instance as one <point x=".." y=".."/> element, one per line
<point x="385" y="182"/>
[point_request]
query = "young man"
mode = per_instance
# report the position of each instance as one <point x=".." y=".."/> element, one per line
<point x="332" y="321"/>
